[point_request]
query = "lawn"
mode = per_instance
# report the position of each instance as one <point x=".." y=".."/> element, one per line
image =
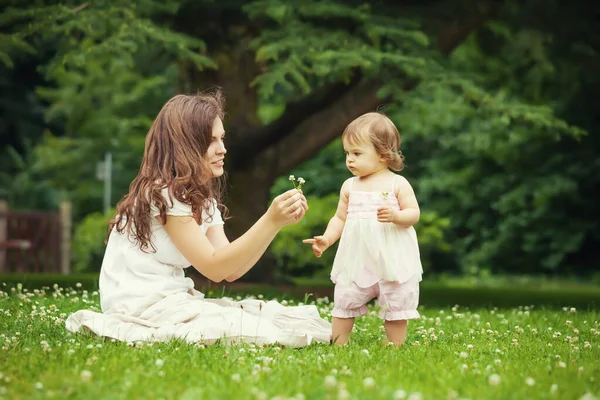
<point x="451" y="353"/>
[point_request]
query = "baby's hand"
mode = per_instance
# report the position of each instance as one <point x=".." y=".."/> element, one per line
<point x="319" y="245"/>
<point x="386" y="214"/>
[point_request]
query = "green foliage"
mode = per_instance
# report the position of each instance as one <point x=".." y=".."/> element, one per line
<point x="494" y="135"/>
<point x="113" y="69"/>
<point x="497" y="166"/>
<point x="306" y="44"/>
<point x="294" y="257"/>
<point x="324" y="173"/>
<point x="24" y="188"/>
<point x="87" y="247"/>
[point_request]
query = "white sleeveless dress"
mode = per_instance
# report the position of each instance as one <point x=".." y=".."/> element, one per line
<point x="146" y="297"/>
<point x="371" y="251"/>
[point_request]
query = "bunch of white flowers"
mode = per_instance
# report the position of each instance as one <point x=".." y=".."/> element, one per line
<point x="301" y="181"/>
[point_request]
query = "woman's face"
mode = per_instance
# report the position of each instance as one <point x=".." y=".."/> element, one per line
<point x="215" y="154"/>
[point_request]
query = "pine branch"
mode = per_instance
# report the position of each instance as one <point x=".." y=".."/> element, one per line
<point x="308" y="125"/>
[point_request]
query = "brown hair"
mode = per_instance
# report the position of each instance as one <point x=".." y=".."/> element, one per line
<point x="174" y="157"/>
<point x="382" y="132"/>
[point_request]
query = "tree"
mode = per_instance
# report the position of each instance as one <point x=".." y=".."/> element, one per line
<point x="295" y="72"/>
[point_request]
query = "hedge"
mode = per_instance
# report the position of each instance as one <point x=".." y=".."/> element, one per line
<point x="433" y="294"/>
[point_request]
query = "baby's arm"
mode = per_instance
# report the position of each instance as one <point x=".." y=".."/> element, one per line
<point x="337" y="222"/>
<point x="409" y="212"/>
<point x="335" y="225"/>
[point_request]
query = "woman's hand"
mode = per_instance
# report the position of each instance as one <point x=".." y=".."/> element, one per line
<point x="287" y="208"/>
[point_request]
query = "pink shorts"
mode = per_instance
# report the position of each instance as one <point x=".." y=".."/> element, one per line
<point x="397" y="301"/>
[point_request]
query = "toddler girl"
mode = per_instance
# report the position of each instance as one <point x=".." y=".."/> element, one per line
<point x="378" y="254"/>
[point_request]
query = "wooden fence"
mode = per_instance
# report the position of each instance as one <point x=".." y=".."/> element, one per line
<point x="35" y="241"/>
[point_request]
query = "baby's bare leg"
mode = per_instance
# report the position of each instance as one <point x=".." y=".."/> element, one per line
<point x="340" y="330"/>
<point x="396" y="331"/>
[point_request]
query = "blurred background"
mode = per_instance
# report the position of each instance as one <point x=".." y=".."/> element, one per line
<point x="496" y="101"/>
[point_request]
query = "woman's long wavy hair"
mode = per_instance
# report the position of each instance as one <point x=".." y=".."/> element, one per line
<point x="174" y="158"/>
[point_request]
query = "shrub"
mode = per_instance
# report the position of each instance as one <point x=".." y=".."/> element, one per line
<point x="87" y="248"/>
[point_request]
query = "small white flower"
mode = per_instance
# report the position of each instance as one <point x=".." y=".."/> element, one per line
<point x="530" y="381"/>
<point x="292" y="178"/>
<point x="330" y="381"/>
<point x="561" y="364"/>
<point x="39" y="385"/>
<point x="399" y="394"/>
<point x="85" y="375"/>
<point x="494" y="380"/>
<point x="343" y="394"/>
<point x="463" y="354"/>
<point x="369" y="382"/>
<point x="415" y="396"/>
<point x="365" y="351"/>
<point x="553" y="388"/>
<point x="159" y="363"/>
<point x="301" y="181"/>
<point x="236" y="377"/>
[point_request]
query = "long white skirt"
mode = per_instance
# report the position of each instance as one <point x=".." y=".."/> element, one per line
<point x="193" y="318"/>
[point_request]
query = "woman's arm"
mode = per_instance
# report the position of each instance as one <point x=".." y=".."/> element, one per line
<point x="216" y="235"/>
<point x="218" y="264"/>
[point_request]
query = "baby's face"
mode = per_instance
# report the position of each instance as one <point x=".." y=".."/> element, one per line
<point x="362" y="158"/>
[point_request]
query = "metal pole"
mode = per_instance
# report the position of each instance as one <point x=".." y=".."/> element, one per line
<point x="107" y="180"/>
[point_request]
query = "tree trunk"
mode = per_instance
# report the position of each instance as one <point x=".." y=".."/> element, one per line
<point x="247" y="199"/>
<point x="258" y="155"/>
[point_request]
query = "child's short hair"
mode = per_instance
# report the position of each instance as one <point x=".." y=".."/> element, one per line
<point x="382" y="132"/>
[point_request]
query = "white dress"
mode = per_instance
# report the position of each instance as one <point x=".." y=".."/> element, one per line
<point x="146" y="297"/>
<point x="370" y="251"/>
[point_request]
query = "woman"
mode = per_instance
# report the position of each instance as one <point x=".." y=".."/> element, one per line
<point x="169" y="220"/>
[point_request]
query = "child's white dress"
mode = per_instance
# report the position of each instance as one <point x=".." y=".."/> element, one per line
<point x="146" y="297"/>
<point x="370" y="250"/>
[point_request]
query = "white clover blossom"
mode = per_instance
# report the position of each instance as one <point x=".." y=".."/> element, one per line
<point x="494" y="380"/>
<point x="300" y="181"/>
<point x="85" y="375"/>
<point x="369" y="382"/>
<point x="330" y="381"/>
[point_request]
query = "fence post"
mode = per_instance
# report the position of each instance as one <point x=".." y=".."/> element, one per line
<point x="3" y="232"/>
<point x="65" y="237"/>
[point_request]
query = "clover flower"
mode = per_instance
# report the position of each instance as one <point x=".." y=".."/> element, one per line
<point x="300" y="180"/>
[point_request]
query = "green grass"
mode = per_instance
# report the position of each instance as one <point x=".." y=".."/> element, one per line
<point x="435" y="291"/>
<point x="450" y="353"/>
